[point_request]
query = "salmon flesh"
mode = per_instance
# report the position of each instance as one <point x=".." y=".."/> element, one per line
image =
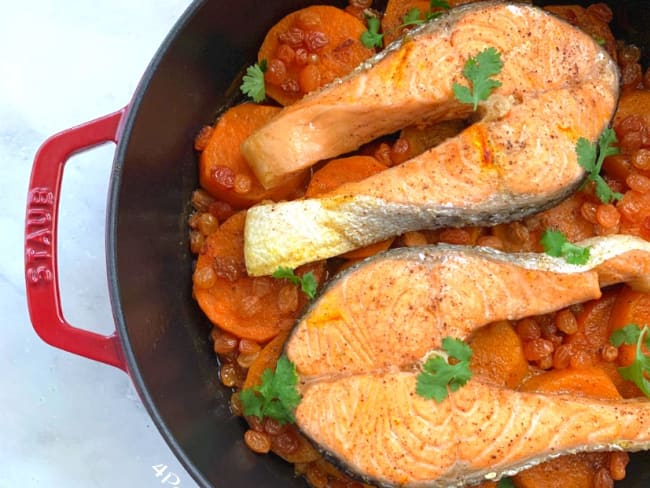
<point x="358" y="347"/>
<point x="557" y="85"/>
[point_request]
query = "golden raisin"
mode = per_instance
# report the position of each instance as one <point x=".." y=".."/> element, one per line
<point x="638" y="182"/>
<point x="536" y="349"/>
<point x="588" y="211"/>
<point x="196" y="241"/>
<point x="229" y="375"/>
<point x="204" y="277"/>
<point x="490" y="241"/>
<point x="224" y="342"/>
<point x="609" y="353"/>
<point x="455" y="236"/>
<point x="276" y="72"/>
<point x="207" y="223"/>
<point x="286" y="442"/>
<point x="245" y="360"/>
<point x="617" y="464"/>
<point x="399" y="152"/>
<point x="309" y="78"/>
<point x="607" y="215"/>
<point x="641" y="159"/>
<point x="257" y="442"/>
<point x="528" y="329"/>
<point x="562" y="357"/>
<point x="566" y="322"/>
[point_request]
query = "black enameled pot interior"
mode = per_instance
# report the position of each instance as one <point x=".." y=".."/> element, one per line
<point x="165" y="336"/>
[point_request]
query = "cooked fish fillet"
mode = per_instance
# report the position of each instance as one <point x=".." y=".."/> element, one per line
<point x="392" y="309"/>
<point x="557" y="85"/>
<point x="358" y="348"/>
<point x="377" y="426"/>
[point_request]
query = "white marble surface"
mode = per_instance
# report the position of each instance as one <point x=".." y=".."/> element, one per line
<point x="67" y="421"/>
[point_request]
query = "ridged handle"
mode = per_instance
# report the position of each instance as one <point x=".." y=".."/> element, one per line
<point x="41" y="275"/>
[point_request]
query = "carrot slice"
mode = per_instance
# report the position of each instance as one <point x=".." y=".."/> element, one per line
<point x="304" y="452"/>
<point x="308" y="49"/>
<point x="591" y="382"/>
<point x="593" y="327"/>
<point x="223" y="171"/>
<point x="576" y="471"/>
<point x="252" y="308"/>
<point x="345" y="170"/>
<point x="267" y="359"/>
<point x="342" y="170"/>
<point x="631" y="307"/>
<point x="498" y="354"/>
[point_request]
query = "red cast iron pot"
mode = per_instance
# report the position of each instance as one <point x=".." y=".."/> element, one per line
<point x="161" y="338"/>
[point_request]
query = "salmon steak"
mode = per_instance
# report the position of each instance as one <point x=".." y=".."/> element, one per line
<point x="357" y="350"/>
<point x="517" y="158"/>
<point x="377" y="425"/>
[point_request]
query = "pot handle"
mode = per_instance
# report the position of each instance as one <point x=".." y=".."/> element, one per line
<point x="41" y="276"/>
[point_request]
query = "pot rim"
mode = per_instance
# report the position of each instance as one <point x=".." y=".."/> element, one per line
<point x="112" y="210"/>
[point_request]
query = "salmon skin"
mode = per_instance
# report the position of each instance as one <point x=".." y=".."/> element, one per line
<point x="377" y="425"/>
<point x="358" y="348"/>
<point x="557" y="85"/>
<point x="392" y="309"/>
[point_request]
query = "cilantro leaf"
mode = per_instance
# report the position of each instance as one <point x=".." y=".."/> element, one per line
<point x="629" y="334"/>
<point x="555" y="244"/>
<point x="253" y="81"/>
<point x="640" y="367"/>
<point x="371" y="38"/>
<point x="439" y="4"/>
<point x="478" y="71"/>
<point x="276" y="396"/>
<point x="505" y="483"/>
<point x="591" y="157"/>
<point x="307" y="282"/>
<point x="439" y="376"/>
<point x="412" y="17"/>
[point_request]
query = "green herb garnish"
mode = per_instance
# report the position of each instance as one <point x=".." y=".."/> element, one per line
<point x="276" y="396"/>
<point x="444" y="4"/>
<point x="635" y="372"/>
<point x="555" y="244"/>
<point x="307" y="282"/>
<point x="628" y="334"/>
<point x="253" y="81"/>
<point x="372" y="38"/>
<point x="478" y="71"/>
<point x="591" y="157"/>
<point x="412" y="17"/>
<point x="439" y="376"/>
<point x="505" y="483"/>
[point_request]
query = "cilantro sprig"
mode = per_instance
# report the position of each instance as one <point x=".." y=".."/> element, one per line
<point x="505" y="483"/>
<point x="253" y="81"/>
<point x="276" y="396"/>
<point x="440" y="376"/>
<point x="591" y="157"/>
<point x="636" y="372"/>
<point x="307" y="282"/>
<point x="478" y="70"/>
<point x="372" y="38"/>
<point x="556" y="244"/>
